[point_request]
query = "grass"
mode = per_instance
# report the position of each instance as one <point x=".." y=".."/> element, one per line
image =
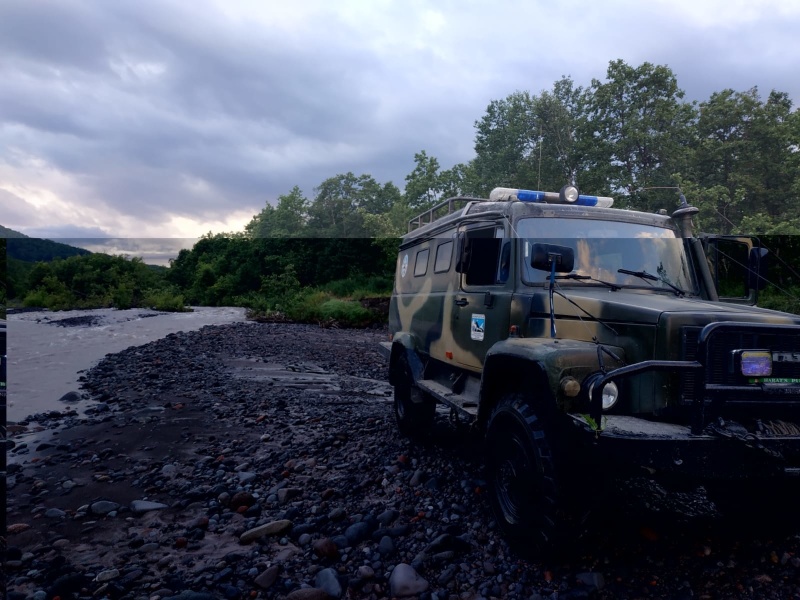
<point x="317" y="306"/>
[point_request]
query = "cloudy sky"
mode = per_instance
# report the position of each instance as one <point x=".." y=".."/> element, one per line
<point x="167" y="119"/>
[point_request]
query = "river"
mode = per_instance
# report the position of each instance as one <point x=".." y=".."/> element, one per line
<point x="48" y="350"/>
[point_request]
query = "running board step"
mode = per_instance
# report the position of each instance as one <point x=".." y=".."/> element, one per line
<point x="465" y="404"/>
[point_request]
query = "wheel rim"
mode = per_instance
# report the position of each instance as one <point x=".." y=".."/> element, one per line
<point x="400" y="409"/>
<point x="515" y="480"/>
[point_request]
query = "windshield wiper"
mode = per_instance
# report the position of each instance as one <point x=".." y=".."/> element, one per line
<point x="614" y="287"/>
<point x="650" y="277"/>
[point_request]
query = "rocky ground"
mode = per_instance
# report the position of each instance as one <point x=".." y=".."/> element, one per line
<point x="262" y="461"/>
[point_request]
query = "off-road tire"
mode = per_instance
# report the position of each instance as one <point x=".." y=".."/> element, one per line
<point x="524" y="488"/>
<point x="414" y="410"/>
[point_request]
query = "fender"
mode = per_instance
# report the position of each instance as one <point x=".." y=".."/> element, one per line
<point x="545" y="363"/>
<point x="405" y="343"/>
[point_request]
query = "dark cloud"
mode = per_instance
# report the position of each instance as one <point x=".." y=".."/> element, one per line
<point x="160" y="109"/>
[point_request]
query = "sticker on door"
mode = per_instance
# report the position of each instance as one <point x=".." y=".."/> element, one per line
<point x="478" y="326"/>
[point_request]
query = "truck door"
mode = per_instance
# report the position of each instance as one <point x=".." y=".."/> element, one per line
<point x="482" y="302"/>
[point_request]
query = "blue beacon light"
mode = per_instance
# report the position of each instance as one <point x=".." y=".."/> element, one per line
<point x="506" y="194"/>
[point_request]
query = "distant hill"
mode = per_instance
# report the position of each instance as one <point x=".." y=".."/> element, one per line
<point x="28" y="249"/>
<point x="5" y="232"/>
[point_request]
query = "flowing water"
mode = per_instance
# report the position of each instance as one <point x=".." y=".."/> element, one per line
<point x="47" y="350"/>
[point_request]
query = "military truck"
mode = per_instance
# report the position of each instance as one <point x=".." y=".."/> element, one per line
<point x="581" y="340"/>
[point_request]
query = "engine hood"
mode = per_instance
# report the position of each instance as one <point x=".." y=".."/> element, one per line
<point x="645" y="307"/>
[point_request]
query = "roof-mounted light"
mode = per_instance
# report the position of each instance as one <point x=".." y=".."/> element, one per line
<point x="569" y="192"/>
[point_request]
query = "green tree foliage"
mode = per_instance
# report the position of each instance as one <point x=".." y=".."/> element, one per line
<point x="341" y="203"/>
<point x="287" y="219"/>
<point x="744" y="161"/>
<point x="529" y="141"/>
<point x="423" y="186"/>
<point x="91" y="281"/>
<point x="637" y="132"/>
<point x="505" y="141"/>
<point x="559" y="115"/>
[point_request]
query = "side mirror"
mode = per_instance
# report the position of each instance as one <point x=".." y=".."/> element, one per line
<point x="757" y="268"/>
<point x="544" y="255"/>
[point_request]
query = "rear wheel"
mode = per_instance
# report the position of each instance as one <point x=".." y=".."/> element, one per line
<point x="522" y="473"/>
<point x="413" y="409"/>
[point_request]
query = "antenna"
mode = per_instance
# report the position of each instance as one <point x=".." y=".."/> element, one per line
<point x="541" y="143"/>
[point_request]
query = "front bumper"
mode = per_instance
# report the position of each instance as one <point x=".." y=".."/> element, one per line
<point x="667" y="448"/>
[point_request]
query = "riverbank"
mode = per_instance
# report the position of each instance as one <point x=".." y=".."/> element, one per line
<point x="47" y="350"/>
<point x="262" y="460"/>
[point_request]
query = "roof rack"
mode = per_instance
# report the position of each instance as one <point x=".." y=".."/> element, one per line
<point x="436" y="212"/>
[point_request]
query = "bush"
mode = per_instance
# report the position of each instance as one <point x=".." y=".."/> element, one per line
<point x="358" y="287"/>
<point x="774" y="299"/>
<point x="165" y="301"/>
<point x="346" y="312"/>
<point x="316" y="306"/>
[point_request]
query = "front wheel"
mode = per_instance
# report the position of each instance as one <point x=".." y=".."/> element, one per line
<point x="524" y="491"/>
<point x="414" y="410"/>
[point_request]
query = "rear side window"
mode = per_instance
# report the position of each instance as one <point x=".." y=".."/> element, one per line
<point x="444" y="253"/>
<point x="421" y="266"/>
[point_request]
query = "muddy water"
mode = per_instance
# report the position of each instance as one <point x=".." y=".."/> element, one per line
<point x="48" y="350"/>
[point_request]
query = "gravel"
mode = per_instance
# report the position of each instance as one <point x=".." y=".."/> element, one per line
<point x="262" y="461"/>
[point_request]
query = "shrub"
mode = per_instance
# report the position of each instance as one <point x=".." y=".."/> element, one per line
<point x="166" y="301"/>
<point x="346" y="312"/>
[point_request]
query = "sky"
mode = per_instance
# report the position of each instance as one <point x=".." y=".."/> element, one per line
<point x="171" y="119"/>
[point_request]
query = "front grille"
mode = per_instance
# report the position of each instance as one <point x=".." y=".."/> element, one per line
<point x="721" y="341"/>
<point x="689" y="339"/>
<point x="725" y="342"/>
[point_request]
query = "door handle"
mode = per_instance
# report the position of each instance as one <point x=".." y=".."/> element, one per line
<point x="462" y="302"/>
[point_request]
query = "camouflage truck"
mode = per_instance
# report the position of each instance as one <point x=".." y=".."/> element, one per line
<point x="579" y="339"/>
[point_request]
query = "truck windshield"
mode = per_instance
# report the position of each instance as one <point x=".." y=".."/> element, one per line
<point x="602" y="248"/>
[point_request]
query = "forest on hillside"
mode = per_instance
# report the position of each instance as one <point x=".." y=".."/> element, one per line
<point x="632" y="135"/>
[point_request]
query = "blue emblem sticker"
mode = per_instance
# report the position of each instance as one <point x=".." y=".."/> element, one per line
<point x="478" y="326"/>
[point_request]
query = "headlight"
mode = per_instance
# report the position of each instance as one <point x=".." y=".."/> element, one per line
<point x="610" y="394"/>
<point x="755" y="363"/>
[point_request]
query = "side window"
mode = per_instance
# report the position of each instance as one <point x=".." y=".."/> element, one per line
<point x="504" y="268"/>
<point x="421" y="265"/>
<point x="444" y="253"/>
<point x="480" y="257"/>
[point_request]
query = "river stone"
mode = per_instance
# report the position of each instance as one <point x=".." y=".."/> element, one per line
<point x="595" y="580"/>
<point x="143" y="506"/>
<point x="273" y="528"/>
<point x="107" y="575"/>
<point x="308" y="594"/>
<point x="357" y="532"/>
<point x="103" y="507"/>
<point x="326" y="548"/>
<point x="70" y="397"/>
<point x="405" y="581"/>
<point x="327" y="580"/>
<point x="268" y="577"/>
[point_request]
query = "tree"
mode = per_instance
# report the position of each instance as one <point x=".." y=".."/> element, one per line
<point x="636" y="132"/>
<point x="340" y="203"/>
<point x="504" y="140"/>
<point x="744" y="152"/>
<point x="528" y="141"/>
<point x="460" y="180"/>
<point x="287" y="219"/>
<point x="559" y="115"/>
<point x="423" y="188"/>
